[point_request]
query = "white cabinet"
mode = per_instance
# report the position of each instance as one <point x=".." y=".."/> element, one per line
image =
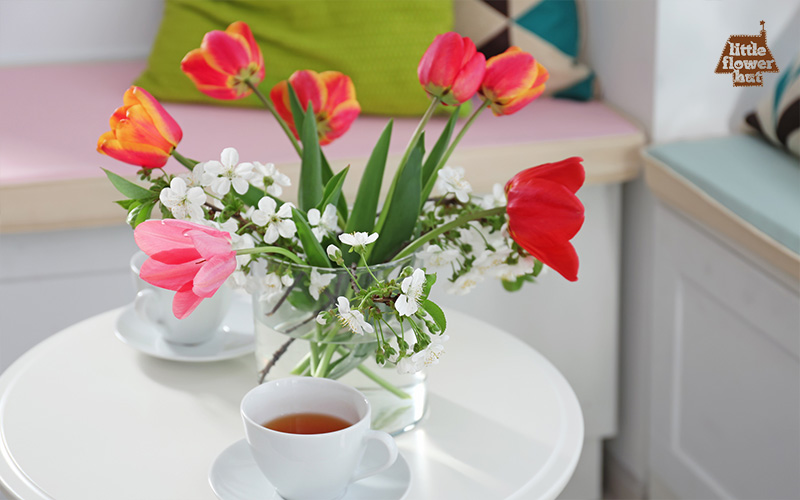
<point x="725" y="403"/>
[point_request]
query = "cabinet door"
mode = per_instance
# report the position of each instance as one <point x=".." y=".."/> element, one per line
<point x="725" y="397"/>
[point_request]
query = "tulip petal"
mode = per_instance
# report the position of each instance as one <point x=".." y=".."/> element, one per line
<point x="280" y="98"/>
<point x="138" y="128"/>
<point x="569" y="173"/>
<point x="142" y="155"/>
<point x="163" y="121"/>
<point x="442" y="61"/>
<point x="206" y="77"/>
<point x="546" y="207"/>
<point x="511" y="106"/>
<point x="210" y="246"/>
<point x="213" y="274"/>
<point x="185" y="302"/>
<point x="469" y="78"/>
<point x="339" y="121"/>
<point x="339" y="88"/>
<point x="242" y="32"/>
<point x="170" y="277"/>
<point x="156" y="236"/>
<point x="309" y="88"/>
<point x="225" y="52"/>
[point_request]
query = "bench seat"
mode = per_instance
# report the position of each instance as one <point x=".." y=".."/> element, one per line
<point x="51" y="177"/>
<point x="740" y="186"/>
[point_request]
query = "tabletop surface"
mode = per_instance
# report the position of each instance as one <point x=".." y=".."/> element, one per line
<point x="83" y="416"/>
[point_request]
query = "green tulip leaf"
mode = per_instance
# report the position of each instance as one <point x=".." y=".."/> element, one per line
<point x="327" y="174"/>
<point x="429" y="172"/>
<point x="297" y="109"/>
<point x="333" y="190"/>
<point x="315" y="255"/>
<point x="310" y="189"/>
<point x="253" y="195"/>
<point x="403" y="210"/>
<point x="130" y="189"/>
<point x="365" y="207"/>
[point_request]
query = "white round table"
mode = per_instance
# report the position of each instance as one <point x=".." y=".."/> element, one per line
<point x="83" y="416"/>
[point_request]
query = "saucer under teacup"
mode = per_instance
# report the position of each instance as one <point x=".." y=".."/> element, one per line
<point x="232" y="339"/>
<point x="234" y="475"/>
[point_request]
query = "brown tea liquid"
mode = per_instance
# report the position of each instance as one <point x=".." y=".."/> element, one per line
<point x="307" y="423"/>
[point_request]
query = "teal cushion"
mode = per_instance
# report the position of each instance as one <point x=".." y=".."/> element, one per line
<point x="757" y="182"/>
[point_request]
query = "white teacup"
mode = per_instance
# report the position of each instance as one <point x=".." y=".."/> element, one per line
<point x="154" y="306"/>
<point x="312" y="466"/>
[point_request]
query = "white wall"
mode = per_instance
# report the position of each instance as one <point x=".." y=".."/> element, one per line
<point x="44" y="31"/>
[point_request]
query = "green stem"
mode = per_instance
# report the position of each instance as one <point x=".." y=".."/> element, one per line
<point x="314" y="359"/>
<point x="432" y="180"/>
<point x="186" y="162"/>
<point x="302" y="365"/>
<point x="447" y="227"/>
<point x="383" y="383"/>
<point x="322" y="367"/>
<point x="417" y="132"/>
<point x="279" y="250"/>
<point x="281" y="121"/>
<point x="420" y="127"/>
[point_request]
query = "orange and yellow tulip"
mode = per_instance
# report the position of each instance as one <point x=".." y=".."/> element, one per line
<point x="512" y="80"/>
<point x="451" y="68"/>
<point x="332" y="95"/>
<point x="142" y="132"/>
<point x="226" y="64"/>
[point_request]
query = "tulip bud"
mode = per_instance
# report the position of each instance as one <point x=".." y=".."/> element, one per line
<point x="512" y="80"/>
<point x="142" y="132"/>
<point x="451" y="68"/>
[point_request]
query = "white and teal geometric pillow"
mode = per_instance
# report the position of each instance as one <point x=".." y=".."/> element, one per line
<point x="548" y="29"/>
<point x="777" y="116"/>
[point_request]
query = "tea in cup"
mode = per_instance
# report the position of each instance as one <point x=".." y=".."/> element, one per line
<point x="308" y="436"/>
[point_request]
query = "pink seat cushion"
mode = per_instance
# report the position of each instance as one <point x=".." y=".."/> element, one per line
<point x="52" y="116"/>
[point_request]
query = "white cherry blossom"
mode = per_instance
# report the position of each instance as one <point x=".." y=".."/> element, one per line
<point x="277" y="223"/>
<point x="434" y="256"/>
<point x="465" y="283"/>
<point x="318" y="283"/>
<point x="198" y="177"/>
<point x="272" y="285"/>
<point x="496" y="199"/>
<point x="266" y="176"/>
<point x="412" y="287"/>
<point x="229" y="172"/>
<point x="358" y="240"/>
<point x="322" y="224"/>
<point x="183" y="203"/>
<point x="431" y="354"/>
<point x="334" y="253"/>
<point x="353" y="320"/>
<point x="451" y="180"/>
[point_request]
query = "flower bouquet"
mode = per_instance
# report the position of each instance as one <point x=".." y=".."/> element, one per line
<point x="350" y="278"/>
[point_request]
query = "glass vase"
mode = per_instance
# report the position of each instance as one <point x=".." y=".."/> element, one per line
<point x="290" y="342"/>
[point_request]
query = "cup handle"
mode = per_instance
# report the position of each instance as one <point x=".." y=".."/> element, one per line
<point x="391" y="447"/>
<point x="142" y="305"/>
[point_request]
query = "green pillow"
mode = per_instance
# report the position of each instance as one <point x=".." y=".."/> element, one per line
<point x="377" y="43"/>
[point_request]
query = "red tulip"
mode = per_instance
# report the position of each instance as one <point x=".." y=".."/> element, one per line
<point x="142" y="132"/>
<point x="512" y="80"/>
<point x="544" y="213"/>
<point x="191" y="259"/>
<point x="451" y="69"/>
<point x="332" y="95"/>
<point x="225" y="63"/>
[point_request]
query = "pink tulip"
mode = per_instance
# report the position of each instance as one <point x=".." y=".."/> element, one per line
<point x="191" y="259"/>
<point x="512" y="80"/>
<point x="451" y="69"/>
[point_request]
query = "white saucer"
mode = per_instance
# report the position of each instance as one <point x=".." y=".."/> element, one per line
<point x="235" y="476"/>
<point x="233" y="339"/>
